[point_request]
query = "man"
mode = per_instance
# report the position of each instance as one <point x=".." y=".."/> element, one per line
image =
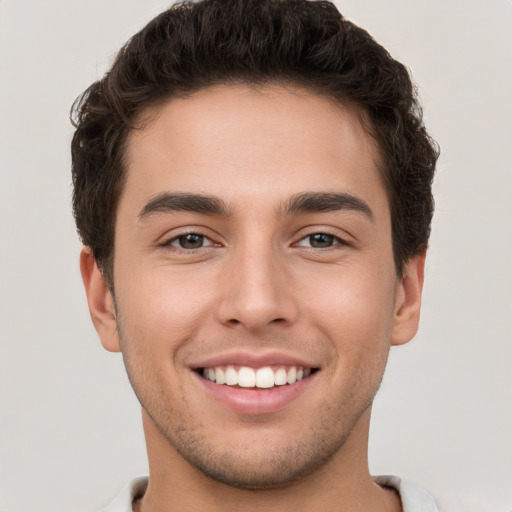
<point x="252" y="185"/>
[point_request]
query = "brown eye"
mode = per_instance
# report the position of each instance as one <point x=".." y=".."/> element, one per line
<point x="190" y="241"/>
<point x="321" y="240"/>
<point x="318" y="241"/>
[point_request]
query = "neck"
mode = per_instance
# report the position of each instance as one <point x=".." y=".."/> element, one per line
<point x="342" y="484"/>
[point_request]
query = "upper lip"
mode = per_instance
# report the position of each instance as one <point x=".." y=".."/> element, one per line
<point x="254" y="360"/>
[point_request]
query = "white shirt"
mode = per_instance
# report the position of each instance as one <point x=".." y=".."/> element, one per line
<point x="414" y="498"/>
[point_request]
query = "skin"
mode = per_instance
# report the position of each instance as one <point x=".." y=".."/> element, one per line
<point x="258" y="284"/>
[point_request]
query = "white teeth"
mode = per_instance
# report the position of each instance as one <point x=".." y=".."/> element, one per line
<point x="291" y="377"/>
<point x="263" y="378"/>
<point x="219" y="376"/>
<point x="231" y="376"/>
<point x="280" y="377"/>
<point x="246" y="377"/>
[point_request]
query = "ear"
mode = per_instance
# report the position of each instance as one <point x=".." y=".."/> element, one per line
<point x="100" y="301"/>
<point x="408" y="301"/>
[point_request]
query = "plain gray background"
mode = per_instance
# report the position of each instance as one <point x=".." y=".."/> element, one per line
<point x="69" y="424"/>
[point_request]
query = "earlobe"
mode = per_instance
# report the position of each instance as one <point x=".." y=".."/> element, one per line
<point x="408" y="301"/>
<point x="100" y="301"/>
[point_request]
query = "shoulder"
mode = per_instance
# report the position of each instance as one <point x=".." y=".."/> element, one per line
<point x="414" y="498"/>
<point x="123" y="501"/>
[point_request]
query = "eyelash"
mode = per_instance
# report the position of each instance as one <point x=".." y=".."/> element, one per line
<point x="335" y="240"/>
<point x="182" y="236"/>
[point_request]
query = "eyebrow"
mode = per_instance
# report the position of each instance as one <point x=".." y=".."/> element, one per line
<point x="312" y="202"/>
<point x="306" y="202"/>
<point x="185" y="202"/>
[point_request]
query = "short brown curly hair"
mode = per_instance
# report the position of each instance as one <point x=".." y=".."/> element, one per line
<point x="197" y="44"/>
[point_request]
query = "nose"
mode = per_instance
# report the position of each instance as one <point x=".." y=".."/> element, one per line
<point x="256" y="292"/>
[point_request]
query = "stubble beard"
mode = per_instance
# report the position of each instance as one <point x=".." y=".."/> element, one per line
<point x="240" y="467"/>
<point x="270" y="468"/>
<point x="243" y="467"/>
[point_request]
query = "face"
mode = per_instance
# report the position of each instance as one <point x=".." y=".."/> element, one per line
<point x="256" y="296"/>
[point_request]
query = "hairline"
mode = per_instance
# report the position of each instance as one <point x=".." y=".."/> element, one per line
<point x="149" y="114"/>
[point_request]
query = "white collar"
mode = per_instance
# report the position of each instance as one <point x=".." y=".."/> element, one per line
<point x="414" y="498"/>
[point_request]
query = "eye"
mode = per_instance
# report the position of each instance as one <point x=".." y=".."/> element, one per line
<point x="190" y="241"/>
<point x="319" y="241"/>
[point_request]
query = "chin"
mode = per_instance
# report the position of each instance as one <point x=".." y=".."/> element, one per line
<point x="257" y="464"/>
<point x="270" y="473"/>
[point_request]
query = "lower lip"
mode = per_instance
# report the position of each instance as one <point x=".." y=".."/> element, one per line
<point x="256" y="401"/>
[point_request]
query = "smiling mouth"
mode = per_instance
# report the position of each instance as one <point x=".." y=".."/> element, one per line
<point x="266" y="377"/>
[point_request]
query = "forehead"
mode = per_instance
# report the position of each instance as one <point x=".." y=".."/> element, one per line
<point x="243" y="142"/>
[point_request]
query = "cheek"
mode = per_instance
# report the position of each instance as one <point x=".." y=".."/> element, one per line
<point x="160" y="310"/>
<point x="355" y="311"/>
